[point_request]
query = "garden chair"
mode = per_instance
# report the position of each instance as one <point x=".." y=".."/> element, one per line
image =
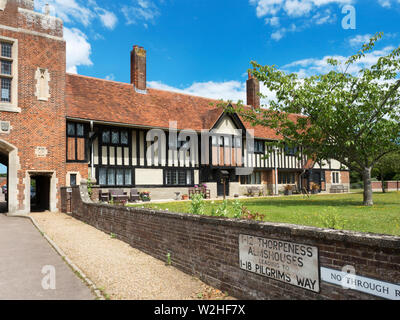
<point x="104" y="195"/>
<point x="134" y="196"/>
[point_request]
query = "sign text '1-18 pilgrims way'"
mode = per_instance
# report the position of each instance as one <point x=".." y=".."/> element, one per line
<point x="293" y="263"/>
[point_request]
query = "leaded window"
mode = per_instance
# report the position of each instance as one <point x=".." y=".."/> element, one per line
<point x="286" y="178"/>
<point x="6" y="49"/>
<point x="254" y="178"/>
<point x="259" y="146"/>
<point x="76" y="142"/>
<point x="6" y="64"/>
<point x="178" y="177"/>
<point x="114" y="176"/>
<point x="5" y="90"/>
<point x="116" y="137"/>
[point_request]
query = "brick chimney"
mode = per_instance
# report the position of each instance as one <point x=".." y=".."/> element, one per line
<point x="253" y="88"/>
<point x="138" y="68"/>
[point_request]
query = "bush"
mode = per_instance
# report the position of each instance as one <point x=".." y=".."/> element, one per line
<point x="331" y="219"/>
<point x="222" y="210"/>
<point x="197" y="204"/>
<point x="357" y="185"/>
<point x="237" y="209"/>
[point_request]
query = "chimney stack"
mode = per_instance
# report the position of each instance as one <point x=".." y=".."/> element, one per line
<point x="253" y="88"/>
<point x="138" y="68"/>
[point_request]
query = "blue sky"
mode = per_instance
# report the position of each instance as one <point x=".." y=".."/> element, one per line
<point x="204" y="47"/>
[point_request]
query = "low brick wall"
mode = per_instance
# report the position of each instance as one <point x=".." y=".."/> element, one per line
<point x="390" y="185"/>
<point x="208" y="248"/>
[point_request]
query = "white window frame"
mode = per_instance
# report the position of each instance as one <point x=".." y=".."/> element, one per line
<point x="332" y="177"/>
<point x="13" y="105"/>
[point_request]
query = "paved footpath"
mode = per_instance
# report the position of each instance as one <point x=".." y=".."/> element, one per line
<point x="23" y="255"/>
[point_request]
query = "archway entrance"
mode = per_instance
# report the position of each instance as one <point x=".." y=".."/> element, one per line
<point x="40" y="192"/>
<point x="9" y="159"/>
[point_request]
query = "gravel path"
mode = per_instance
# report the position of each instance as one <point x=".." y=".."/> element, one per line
<point x="116" y="268"/>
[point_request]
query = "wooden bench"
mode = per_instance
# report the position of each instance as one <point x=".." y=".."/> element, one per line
<point x="339" y="189"/>
<point x="118" y="195"/>
<point x="251" y="191"/>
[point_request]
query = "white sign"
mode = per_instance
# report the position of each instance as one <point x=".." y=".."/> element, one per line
<point x="358" y="283"/>
<point x="293" y="263"/>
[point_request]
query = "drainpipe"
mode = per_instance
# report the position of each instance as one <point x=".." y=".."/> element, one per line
<point x="276" y="170"/>
<point x="92" y="155"/>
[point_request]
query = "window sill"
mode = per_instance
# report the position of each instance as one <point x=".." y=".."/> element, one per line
<point x="8" y="107"/>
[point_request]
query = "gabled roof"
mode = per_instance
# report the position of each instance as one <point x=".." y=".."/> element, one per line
<point x="116" y="102"/>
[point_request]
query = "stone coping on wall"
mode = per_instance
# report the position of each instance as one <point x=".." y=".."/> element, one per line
<point x="369" y="239"/>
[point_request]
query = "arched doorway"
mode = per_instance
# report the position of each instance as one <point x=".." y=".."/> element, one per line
<point x="9" y="158"/>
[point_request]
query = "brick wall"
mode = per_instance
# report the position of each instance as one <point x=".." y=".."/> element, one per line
<point x="208" y="248"/>
<point x="40" y="123"/>
<point x="391" y="185"/>
<point x="345" y="177"/>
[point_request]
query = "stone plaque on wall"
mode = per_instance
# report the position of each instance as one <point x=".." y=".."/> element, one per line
<point x="41" y="152"/>
<point x="292" y="263"/>
<point x="42" y="77"/>
<point x="5" y="126"/>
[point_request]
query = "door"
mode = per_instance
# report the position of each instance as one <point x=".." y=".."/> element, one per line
<point x="40" y="193"/>
<point x="315" y="177"/>
<point x="220" y="186"/>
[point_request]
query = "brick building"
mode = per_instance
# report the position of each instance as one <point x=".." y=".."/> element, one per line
<point x="57" y="128"/>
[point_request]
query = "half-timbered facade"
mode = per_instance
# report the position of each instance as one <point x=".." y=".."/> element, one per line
<point x="58" y="128"/>
<point x="166" y="142"/>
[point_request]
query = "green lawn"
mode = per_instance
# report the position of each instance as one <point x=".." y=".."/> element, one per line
<point x="341" y="211"/>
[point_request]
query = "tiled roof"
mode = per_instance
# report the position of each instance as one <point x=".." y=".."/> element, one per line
<point x="115" y="102"/>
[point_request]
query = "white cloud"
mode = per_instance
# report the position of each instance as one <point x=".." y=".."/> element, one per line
<point x="74" y="12"/>
<point x="78" y="49"/>
<point x="359" y="40"/>
<point x="324" y="17"/>
<point x="297" y="8"/>
<point x="385" y="3"/>
<point x="307" y="67"/>
<point x="307" y="12"/>
<point x="109" y="19"/>
<point x="140" y="11"/>
<point x="78" y="11"/>
<point x="279" y="34"/>
<point x="227" y="90"/>
<point x="274" y="21"/>
<point x="294" y="8"/>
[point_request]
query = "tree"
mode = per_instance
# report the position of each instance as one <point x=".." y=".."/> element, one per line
<point x="387" y="167"/>
<point x="352" y="117"/>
